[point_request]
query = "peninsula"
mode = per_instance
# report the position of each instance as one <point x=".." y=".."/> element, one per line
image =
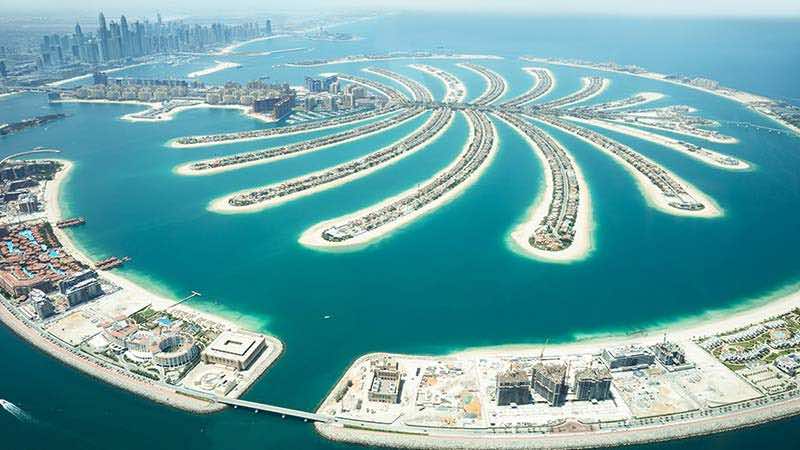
<point x="75" y="309"/>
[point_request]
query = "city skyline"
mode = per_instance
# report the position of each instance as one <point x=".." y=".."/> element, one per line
<point x="779" y="8"/>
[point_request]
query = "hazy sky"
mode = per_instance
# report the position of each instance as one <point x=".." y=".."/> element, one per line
<point x="548" y="7"/>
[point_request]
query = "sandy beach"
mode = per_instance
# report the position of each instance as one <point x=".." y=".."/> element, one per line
<point x="488" y="83"/>
<point x="585" y="80"/>
<point x="229" y="49"/>
<point x="742" y="97"/>
<point x="174" y="144"/>
<point x="707" y="156"/>
<point x="652" y="194"/>
<point x="583" y="242"/>
<point x="186" y="168"/>
<point x="89" y="75"/>
<point x="408" y="89"/>
<point x="312" y="237"/>
<point x="347" y="60"/>
<point x="717" y="140"/>
<point x="221" y="205"/>
<point x="218" y="67"/>
<point x="455" y="91"/>
<point x="647" y="97"/>
<point x="157" y="391"/>
<point x="9" y="94"/>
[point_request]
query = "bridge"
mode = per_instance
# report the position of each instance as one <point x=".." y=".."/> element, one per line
<point x="257" y="407"/>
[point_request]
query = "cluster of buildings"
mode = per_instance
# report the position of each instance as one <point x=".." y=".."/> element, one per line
<point x="20" y="186"/>
<point x="8" y="128"/>
<point x="263" y="133"/>
<point x="556" y="382"/>
<point x="300" y="146"/>
<point x="248" y="94"/>
<point x="120" y="40"/>
<point x="439" y="120"/>
<point x="556" y="230"/>
<point x="591" y="87"/>
<point x="35" y="269"/>
<point x="678" y="197"/>
<point x="471" y="160"/>
<point x="543" y="85"/>
<point x="772" y="344"/>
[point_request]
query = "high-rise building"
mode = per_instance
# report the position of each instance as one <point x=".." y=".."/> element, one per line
<point x="550" y="382"/>
<point x="593" y="384"/>
<point x="268" y="28"/>
<point x="102" y="34"/>
<point x="513" y="386"/>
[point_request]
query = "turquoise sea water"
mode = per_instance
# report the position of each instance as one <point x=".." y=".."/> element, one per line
<point x="445" y="282"/>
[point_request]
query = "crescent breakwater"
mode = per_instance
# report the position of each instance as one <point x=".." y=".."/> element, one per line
<point x="373" y="223"/>
<point x="237" y="161"/>
<point x="559" y="225"/>
<point x="665" y="190"/>
<point x="496" y="85"/>
<point x="278" y="193"/>
<point x="387" y="57"/>
<point x="780" y="112"/>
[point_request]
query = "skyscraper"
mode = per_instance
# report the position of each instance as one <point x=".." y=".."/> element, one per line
<point x="102" y="34"/>
<point x="125" y="47"/>
<point x="268" y="29"/>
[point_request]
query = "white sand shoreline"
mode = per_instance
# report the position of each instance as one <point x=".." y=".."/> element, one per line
<point x="221" y="205"/>
<point x="721" y="140"/>
<point x="665" y="142"/>
<point x="585" y="80"/>
<point x="347" y="60"/>
<point x="488" y="83"/>
<point x="583" y="242"/>
<point x="169" y="115"/>
<point x="174" y="144"/>
<point x="89" y="75"/>
<point x="229" y="49"/>
<point x="647" y="97"/>
<point x="735" y="95"/>
<point x="312" y="237"/>
<point x="156" y="391"/>
<point x="218" y="67"/>
<point x="451" y="94"/>
<point x="186" y="168"/>
<point x="400" y="82"/>
<point x="651" y="193"/>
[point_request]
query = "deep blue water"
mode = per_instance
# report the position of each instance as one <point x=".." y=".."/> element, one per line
<point x="445" y="282"/>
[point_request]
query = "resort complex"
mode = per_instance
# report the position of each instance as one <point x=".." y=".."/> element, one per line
<point x="385" y="141"/>
<point x="707" y="379"/>
<point x="559" y="227"/>
<point x="76" y="310"/>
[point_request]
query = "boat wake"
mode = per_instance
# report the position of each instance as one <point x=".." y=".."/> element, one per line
<point x="17" y="412"/>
